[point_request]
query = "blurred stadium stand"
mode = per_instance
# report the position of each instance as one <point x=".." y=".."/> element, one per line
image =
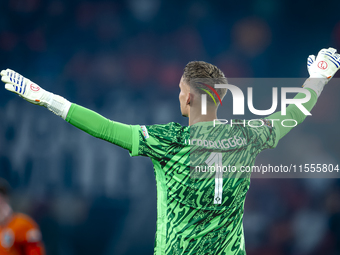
<point x="124" y="59"/>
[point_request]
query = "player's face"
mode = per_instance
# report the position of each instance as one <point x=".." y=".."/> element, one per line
<point x="184" y="97"/>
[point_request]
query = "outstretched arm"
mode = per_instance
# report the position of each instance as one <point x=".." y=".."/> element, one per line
<point x="100" y="127"/>
<point x="321" y="69"/>
<point x="80" y="117"/>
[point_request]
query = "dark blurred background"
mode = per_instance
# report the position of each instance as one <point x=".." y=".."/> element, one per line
<point x="124" y="59"/>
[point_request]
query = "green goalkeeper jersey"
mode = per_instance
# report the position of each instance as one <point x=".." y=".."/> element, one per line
<point x="190" y="220"/>
<point x="196" y="213"/>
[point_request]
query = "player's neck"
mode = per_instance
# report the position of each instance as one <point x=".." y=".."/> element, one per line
<point x="196" y="117"/>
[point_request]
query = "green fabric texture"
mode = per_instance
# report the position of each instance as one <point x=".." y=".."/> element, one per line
<point x="100" y="127"/>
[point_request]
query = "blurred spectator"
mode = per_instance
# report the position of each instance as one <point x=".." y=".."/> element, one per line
<point x="19" y="234"/>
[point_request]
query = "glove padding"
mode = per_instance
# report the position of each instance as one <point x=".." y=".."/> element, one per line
<point x="325" y="65"/>
<point x="25" y="88"/>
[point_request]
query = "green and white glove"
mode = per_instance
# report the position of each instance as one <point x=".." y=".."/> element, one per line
<point x="34" y="94"/>
<point x="322" y="68"/>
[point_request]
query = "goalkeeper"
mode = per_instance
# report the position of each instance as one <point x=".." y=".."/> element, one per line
<point x="194" y="216"/>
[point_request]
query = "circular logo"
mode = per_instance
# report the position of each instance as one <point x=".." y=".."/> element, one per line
<point x="322" y="65"/>
<point x="34" y="87"/>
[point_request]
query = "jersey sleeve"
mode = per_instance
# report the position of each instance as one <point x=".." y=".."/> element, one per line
<point x="100" y="127"/>
<point x="152" y="141"/>
<point x="263" y="134"/>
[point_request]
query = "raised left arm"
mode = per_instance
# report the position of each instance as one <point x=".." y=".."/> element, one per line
<point x="321" y="69"/>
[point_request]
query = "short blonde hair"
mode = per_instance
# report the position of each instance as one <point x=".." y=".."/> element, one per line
<point x="197" y="71"/>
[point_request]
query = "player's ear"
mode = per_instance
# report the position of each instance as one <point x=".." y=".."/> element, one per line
<point x="189" y="98"/>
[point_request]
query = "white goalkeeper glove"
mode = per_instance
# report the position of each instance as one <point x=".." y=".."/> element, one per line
<point x="325" y="65"/>
<point x="321" y="69"/>
<point x="34" y="94"/>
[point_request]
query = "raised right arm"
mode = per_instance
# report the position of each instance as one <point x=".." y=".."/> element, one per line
<point x="80" y="117"/>
<point x="100" y="127"/>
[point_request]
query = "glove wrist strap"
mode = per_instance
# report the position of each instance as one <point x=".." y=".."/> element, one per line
<point x="316" y="84"/>
<point x="58" y="105"/>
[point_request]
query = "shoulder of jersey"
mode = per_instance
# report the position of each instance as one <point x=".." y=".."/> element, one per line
<point x="169" y="127"/>
<point x="174" y="125"/>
